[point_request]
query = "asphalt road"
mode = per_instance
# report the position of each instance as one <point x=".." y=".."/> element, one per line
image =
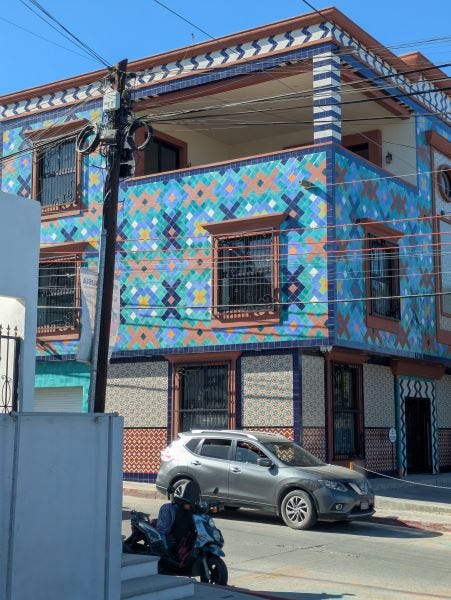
<point x="356" y="560"/>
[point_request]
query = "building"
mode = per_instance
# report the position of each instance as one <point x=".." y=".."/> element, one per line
<point x="282" y="247"/>
<point x="19" y="237"/>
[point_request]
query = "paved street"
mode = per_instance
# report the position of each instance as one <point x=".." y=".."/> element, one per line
<point x="361" y="561"/>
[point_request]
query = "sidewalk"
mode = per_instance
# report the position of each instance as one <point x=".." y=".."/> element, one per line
<point x="418" y="500"/>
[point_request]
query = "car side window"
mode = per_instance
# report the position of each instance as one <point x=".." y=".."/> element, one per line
<point x="246" y="452"/>
<point x="192" y="445"/>
<point x="216" y="448"/>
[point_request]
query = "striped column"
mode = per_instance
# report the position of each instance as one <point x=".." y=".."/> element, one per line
<point x="326" y="98"/>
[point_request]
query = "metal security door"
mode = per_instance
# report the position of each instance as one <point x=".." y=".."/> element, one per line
<point x="418" y="435"/>
<point x="204" y="397"/>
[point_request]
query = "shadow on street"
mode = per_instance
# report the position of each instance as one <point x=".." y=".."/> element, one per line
<point x="368" y="528"/>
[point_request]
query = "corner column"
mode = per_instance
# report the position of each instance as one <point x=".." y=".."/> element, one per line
<point x="326" y="98"/>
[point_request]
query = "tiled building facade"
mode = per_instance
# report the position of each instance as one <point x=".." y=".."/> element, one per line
<point x="348" y="335"/>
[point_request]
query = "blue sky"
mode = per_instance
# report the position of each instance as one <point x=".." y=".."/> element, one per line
<point x="118" y="29"/>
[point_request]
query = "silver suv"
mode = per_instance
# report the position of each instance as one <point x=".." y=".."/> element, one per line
<point x="266" y="472"/>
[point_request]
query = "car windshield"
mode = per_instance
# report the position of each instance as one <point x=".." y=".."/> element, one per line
<point x="293" y="455"/>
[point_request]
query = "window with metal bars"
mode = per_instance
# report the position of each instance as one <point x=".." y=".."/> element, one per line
<point x="57" y="175"/>
<point x="245" y="274"/>
<point x="58" y="296"/>
<point x="384" y="278"/>
<point x="347" y="413"/>
<point x="204" y="397"/>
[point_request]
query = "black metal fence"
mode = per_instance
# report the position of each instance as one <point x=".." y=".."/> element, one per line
<point x="10" y="344"/>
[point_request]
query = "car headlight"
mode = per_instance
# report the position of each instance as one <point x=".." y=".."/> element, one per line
<point x="333" y="485"/>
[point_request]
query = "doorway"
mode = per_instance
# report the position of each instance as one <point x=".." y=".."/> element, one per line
<point x="418" y="435"/>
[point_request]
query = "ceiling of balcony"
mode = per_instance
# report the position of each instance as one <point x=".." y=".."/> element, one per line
<point x="274" y="108"/>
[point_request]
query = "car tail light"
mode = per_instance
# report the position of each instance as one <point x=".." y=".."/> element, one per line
<point x="166" y="454"/>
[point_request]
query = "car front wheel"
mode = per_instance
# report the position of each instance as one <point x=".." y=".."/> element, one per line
<point x="298" y="510"/>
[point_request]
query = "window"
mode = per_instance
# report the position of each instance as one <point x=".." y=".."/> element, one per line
<point x="246" y="270"/>
<point x="204" y="397"/>
<point x="445" y="266"/>
<point x="245" y="279"/>
<point x="444" y="182"/>
<point x="346" y="411"/>
<point x="216" y="448"/>
<point x="367" y="144"/>
<point x="248" y="453"/>
<point x="382" y="273"/>
<point x="204" y="391"/>
<point x="383" y="278"/>
<point x="57" y="296"/>
<point x="59" y="292"/>
<point x="57" y="167"/>
<point x="163" y="153"/>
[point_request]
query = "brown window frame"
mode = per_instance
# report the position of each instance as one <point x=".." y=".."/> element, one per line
<point x="70" y="252"/>
<point x="42" y="139"/>
<point x="442" y="145"/>
<point x="371" y="138"/>
<point x="447" y="170"/>
<point x="233" y="229"/>
<point x="207" y="359"/>
<point x="380" y="231"/>
<point x="439" y="270"/>
<point x="165" y="138"/>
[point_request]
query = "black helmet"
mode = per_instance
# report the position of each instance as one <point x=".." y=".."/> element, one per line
<point x="191" y="494"/>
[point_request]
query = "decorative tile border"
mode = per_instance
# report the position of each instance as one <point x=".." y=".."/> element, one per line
<point x="209" y="64"/>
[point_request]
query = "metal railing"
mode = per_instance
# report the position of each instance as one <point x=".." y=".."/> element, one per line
<point x="10" y="344"/>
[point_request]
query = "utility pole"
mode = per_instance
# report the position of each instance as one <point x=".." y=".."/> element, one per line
<point x="116" y="138"/>
<point x="113" y="137"/>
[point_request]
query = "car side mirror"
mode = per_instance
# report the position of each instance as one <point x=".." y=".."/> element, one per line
<point x="264" y="462"/>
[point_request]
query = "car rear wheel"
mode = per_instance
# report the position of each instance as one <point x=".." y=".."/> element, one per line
<point x="298" y="510"/>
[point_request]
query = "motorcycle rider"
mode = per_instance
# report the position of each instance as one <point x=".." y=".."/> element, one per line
<point x="175" y="521"/>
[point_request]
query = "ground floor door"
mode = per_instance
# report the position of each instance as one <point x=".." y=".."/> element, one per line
<point x="418" y="435"/>
<point x="58" y="399"/>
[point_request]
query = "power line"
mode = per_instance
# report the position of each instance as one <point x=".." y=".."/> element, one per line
<point x="46" y="39"/>
<point x="68" y="34"/>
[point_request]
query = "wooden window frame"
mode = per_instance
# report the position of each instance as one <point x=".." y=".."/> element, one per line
<point x="379" y="231"/>
<point x="163" y="137"/>
<point x="232" y="229"/>
<point x="374" y="140"/>
<point x="71" y="251"/>
<point x="207" y="359"/>
<point x="447" y="170"/>
<point x="442" y="145"/>
<point x="46" y="136"/>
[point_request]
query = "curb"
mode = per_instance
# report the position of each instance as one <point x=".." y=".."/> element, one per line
<point x="412" y="524"/>
<point x="420" y="506"/>
<point x="152" y="494"/>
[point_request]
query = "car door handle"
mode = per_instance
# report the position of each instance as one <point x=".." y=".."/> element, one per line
<point x="196" y="463"/>
<point x="235" y="470"/>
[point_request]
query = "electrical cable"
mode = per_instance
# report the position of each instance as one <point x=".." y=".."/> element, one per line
<point x="47" y="40"/>
<point x="70" y="36"/>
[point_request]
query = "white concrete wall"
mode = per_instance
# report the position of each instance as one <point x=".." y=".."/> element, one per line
<point x="60" y="506"/>
<point x="20" y="220"/>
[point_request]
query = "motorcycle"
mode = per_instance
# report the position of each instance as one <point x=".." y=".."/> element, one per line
<point x="203" y="559"/>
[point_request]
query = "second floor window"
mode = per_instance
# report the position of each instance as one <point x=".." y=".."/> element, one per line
<point x="58" y="296"/>
<point x="161" y="156"/>
<point x="383" y="278"/>
<point x="57" y="175"/>
<point x="245" y="279"/>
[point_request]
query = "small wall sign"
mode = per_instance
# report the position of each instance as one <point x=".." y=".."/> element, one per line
<point x="392" y="435"/>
